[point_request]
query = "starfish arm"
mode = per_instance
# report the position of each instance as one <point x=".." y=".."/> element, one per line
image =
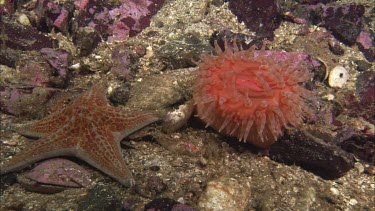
<point x="35" y="151"/>
<point x="96" y="96"/>
<point x="104" y="153"/>
<point x="93" y="97"/>
<point x="125" y="123"/>
<point x="44" y="127"/>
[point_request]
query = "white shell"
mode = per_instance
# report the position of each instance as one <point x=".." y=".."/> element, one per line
<point x="338" y="77"/>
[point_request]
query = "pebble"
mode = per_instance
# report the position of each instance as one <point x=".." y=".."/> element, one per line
<point x="362" y="65"/>
<point x="338" y="77"/>
<point x="335" y="48"/>
<point x="226" y="194"/>
<point x="370" y="170"/>
<point x="176" y="119"/>
<point x="359" y="167"/>
<point x="24" y="20"/>
<point x="353" y="202"/>
<point x="334" y="191"/>
<point x="155" y="184"/>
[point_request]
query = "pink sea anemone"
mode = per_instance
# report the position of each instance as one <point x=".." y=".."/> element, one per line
<point x="251" y="94"/>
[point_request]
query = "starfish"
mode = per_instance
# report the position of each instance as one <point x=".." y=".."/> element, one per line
<point x="89" y="129"/>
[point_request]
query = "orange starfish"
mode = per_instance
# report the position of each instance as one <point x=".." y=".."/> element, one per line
<point x="89" y="129"/>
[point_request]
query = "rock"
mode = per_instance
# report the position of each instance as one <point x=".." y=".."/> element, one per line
<point x="344" y="21"/>
<point x="165" y="204"/>
<point x="348" y="23"/>
<point x="243" y="40"/>
<point x="335" y="48"/>
<point x="25" y="101"/>
<point x="370" y="170"/>
<point x="37" y="187"/>
<point x="182" y="207"/>
<point x="362" y="65"/>
<point x="315" y="1"/>
<point x="180" y="53"/>
<point x="125" y="62"/>
<point x="360" y="102"/>
<point x="45" y="68"/>
<point x="60" y="172"/>
<point x="338" y="77"/>
<point x="226" y="194"/>
<point x="363" y="147"/>
<point x="127" y="206"/>
<point x="86" y="40"/>
<point x="366" y="44"/>
<point x="177" y="118"/>
<point x="160" y="92"/>
<point x="182" y="144"/>
<point x="313" y="154"/>
<point x="59" y="59"/>
<point x="120" y="95"/>
<point x="364" y="39"/>
<point x="260" y="16"/>
<point x="154" y="168"/>
<point x="155" y="184"/>
<point x="368" y="53"/>
<point x="7" y="7"/>
<point x="113" y="20"/>
<point x="8" y="57"/>
<point x="20" y="37"/>
<point x="160" y="204"/>
<point x="54" y="16"/>
<point x="100" y="197"/>
<point x="7" y="180"/>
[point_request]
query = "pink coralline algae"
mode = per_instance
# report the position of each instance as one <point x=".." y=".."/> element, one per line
<point x="24" y="101"/>
<point x="365" y="40"/>
<point x="35" y="74"/>
<point x="58" y="59"/>
<point x="81" y="4"/>
<point x="127" y="18"/>
<point x="61" y="172"/>
<point x="119" y="22"/>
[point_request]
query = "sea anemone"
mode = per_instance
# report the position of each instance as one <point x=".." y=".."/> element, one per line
<point x="250" y="94"/>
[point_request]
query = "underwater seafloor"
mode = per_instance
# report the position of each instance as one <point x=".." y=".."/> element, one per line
<point x="52" y="51"/>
